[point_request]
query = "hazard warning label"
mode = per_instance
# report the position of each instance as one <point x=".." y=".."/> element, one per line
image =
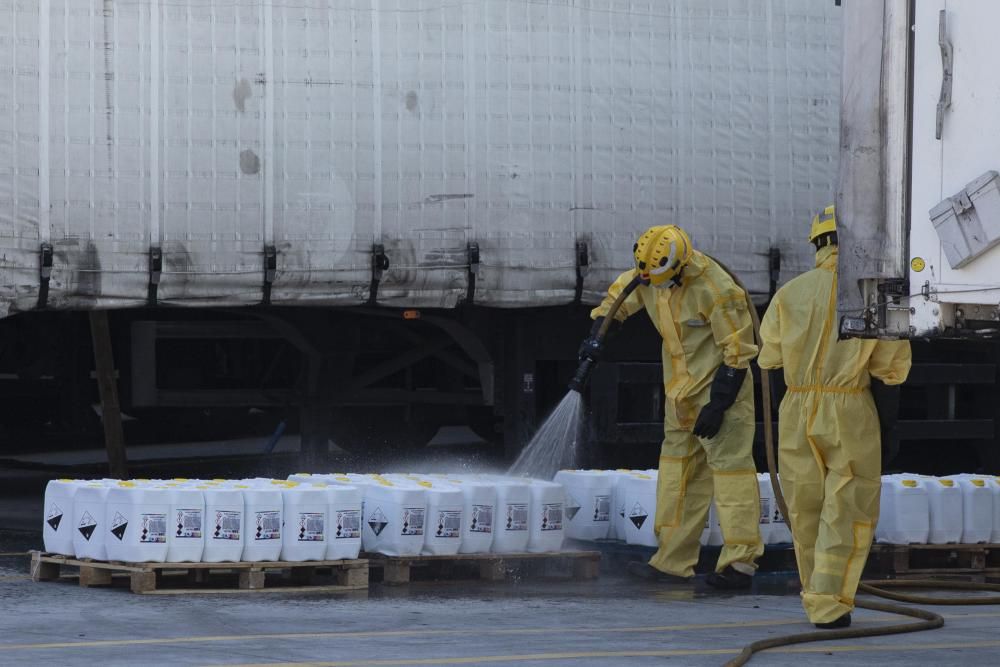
<point x="572" y="507"/>
<point x="482" y="519"/>
<point x="638" y="516"/>
<point x="227" y="525"/>
<point x="54" y="517"/>
<point x="188" y="524"/>
<point x="154" y="529"/>
<point x="348" y="524"/>
<point x="311" y="528"/>
<point x="88" y="524"/>
<point x="517" y="517"/>
<point x="268" y="526"/>
<point x="765" y="511"/>
<point x="377" y="521"/>
<point x="413" y="521"/>
<point x="552" y="516"/>
<point x="449" y="524"/>
<point x="118" y="526"/>
<point x="602" y="508"/>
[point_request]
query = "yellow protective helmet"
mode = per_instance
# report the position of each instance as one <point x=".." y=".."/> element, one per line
<point x="824" y="222"/>
<point x="661" y="253"/>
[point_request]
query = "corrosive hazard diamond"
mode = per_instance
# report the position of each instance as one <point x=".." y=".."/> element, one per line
<point x="377" y="521"/>
<point x="638" y="515"/>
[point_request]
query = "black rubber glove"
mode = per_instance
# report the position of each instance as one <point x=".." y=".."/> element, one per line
<point x="887" y="405"/>
<point x="592" y="348"/>
<point x="725" y="388"/>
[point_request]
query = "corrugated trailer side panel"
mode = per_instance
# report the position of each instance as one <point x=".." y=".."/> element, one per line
<point x="215" y="130"/>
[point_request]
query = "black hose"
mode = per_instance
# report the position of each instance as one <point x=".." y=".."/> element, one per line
<point x="586" y="367"/>
<point x="928" y="620"/>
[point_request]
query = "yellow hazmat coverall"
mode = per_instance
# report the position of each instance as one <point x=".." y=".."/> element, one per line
<point x="704" y="323"/>
<point x="829" y="452"/>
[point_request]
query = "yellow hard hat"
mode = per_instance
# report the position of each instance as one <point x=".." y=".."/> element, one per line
<point x="824" y="222"/>
<point x="661" y="253"/>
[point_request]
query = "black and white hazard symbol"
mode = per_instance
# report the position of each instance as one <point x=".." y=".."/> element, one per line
<point x="638" y="516"/>
<point x="87" y="525"/>
<point x="54" y="517"/>
<point x="572" y="506"/>
<point x="377" y="521"/>
<point x="118" y="526"/>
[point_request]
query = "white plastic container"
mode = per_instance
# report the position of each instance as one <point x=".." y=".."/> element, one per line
<point x="977" y="508"/>
<point x="714" y="527"/>
<point x="616" y="531"/>
<point x="186" y="524"/>
<point x="57" y="521"/>
<point x="588" y="503"/>
<point x="766" y="503"/>
<point x="944" y="497"/>
<point x="904" y="514"/>
<point x="546" y="530"/>
<point x="479" y="511"/>
<point x="137" y="519"/>
<point x="305" y="513"/>
<point x="394" y="518"/>
<point x="225" y="523"/>
<point x="513" y="516"/>
<point x="90" y="532"/>
<point x="780" y="532"/>
<point x="444" y="517"/>
<point x="344" y="512"/>
<point x="263" y="507"/>
<point x="640" y="509"/>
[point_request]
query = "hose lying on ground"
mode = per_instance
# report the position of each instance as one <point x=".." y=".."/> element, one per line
<point x="928" y="620"/>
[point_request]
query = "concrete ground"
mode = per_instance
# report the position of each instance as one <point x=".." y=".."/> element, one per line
<point x="611" y="621"/>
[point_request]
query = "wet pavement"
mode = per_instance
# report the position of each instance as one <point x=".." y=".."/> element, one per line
<point x="610" y="621"/>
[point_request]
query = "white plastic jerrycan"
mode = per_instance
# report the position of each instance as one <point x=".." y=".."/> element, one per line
<point x="57" y="518"/>
<point x="904" y="515"/>
<point x="136" y="522"/>
<point x="89" y="532"/>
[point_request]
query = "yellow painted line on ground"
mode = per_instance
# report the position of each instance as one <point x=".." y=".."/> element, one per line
<point x="391" y="633"/>
<point x="581" y="655"/>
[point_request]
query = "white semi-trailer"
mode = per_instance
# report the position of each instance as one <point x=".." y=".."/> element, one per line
<point x="377" y="217"/>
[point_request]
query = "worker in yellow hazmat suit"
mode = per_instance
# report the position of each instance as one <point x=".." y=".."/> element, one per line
<point x="709" y="423"/>
<point x="829" y="454"/>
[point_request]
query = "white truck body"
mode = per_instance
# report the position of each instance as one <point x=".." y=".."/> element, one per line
<point x="925" y="164"/>
<point x="213" y="130"/>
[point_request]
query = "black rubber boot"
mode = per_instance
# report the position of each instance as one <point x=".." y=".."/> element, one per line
<point x="842" y="622"/>
<point x="646" y="571"/>
<point x="730" y="579"/>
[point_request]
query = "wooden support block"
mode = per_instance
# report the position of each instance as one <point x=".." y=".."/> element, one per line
<point x="41" y="570"/>
<point x="396" y="573"/>
<point x="93" y="576"/>
<point x="493" y="570"/>
<point x="586" y="568"/>
<point x="141" y="582"/>
<point x="197" y="575"/>
<point x="252" y="579"/>
<point x="355" y="576"/>
<point x="900" y="560"/>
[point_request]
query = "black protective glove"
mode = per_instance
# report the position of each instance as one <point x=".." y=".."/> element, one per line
<point x="887" y="405"/>
<point x="592" y="348"/>
<point x="725" y="388"/>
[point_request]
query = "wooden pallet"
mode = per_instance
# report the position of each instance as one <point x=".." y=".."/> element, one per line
<point x="922" y="560"/>
<point x="581" y="565"/>
<point x="180" y="578"/>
